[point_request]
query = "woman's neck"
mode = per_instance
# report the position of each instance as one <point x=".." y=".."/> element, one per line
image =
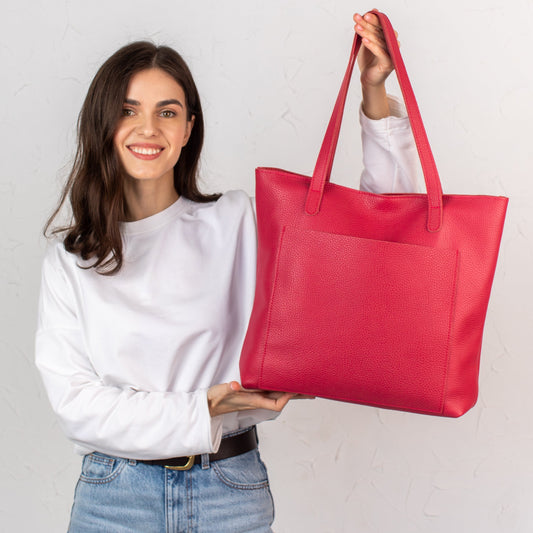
<point x="145" y="198"/>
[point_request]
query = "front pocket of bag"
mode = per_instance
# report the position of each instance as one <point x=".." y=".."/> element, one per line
<point x="360" y="320"/>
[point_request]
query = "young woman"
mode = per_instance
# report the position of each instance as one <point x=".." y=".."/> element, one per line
<point x="146" y="295"/>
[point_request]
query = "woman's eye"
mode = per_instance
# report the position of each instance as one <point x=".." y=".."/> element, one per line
<point x="126" y="112"/>
<point x="168" y="114"/>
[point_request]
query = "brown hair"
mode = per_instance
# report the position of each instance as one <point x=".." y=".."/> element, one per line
<point x="95" y="186"/>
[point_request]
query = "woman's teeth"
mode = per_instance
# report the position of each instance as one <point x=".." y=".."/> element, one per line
<point x="145" y="151"/>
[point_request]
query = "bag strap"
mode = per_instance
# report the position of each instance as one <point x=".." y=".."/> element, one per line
<point x="324" y="162"/>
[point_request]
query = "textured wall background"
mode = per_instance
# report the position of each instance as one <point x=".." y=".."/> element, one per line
<point x="268" y="73"/>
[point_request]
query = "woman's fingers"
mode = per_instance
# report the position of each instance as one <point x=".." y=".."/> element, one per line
<point x="230" y="397"/>
<point x="274" y="401"/>
<point x="278" y="402"/>
<point x="378" y="49"/>
<point x="234" y="386"/>
<point x="369" y="26"/>
<point x="373" y="38"/>
<point x="237" y="387"/>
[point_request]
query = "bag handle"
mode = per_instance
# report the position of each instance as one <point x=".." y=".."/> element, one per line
<point x="324" y="162"/>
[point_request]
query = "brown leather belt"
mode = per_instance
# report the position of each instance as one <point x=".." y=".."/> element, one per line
<point x="229" y="447"/>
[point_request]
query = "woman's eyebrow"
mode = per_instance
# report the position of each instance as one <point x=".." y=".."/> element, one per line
<point x="163" y="103"/>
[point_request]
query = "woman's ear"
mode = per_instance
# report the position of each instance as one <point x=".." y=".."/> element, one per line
<point x="190" y="125"/>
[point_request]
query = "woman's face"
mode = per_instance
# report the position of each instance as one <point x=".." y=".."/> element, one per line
<point x="154" y="127"/>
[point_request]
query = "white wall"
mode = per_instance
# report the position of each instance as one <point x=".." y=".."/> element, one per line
<point x="268" y="73"/>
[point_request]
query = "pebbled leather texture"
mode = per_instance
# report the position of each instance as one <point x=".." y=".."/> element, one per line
<point x="367" y="298"/>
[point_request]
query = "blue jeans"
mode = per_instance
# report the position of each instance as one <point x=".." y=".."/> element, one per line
<point x="116" y="495"/>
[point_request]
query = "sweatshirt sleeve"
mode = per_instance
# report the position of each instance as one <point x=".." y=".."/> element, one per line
<point x="390" y="157"/>
<point x="99" y="417"/>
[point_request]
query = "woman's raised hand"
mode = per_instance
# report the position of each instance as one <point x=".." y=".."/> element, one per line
<point x="375" y="65"/>
<point x="374" y="61"/>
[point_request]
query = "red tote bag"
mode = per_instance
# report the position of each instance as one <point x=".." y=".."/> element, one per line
<point x="369" y="298"/>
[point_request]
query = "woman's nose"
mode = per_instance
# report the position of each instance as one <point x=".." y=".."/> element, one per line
<point x="147" y="126"/>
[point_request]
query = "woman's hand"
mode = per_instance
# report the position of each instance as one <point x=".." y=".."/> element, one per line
<point x="230" y="397"/>
<point x="375" y="65"/>
<point x="374" y="61"/>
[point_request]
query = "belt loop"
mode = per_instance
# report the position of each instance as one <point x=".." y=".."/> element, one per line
<point x="205" y="461"/>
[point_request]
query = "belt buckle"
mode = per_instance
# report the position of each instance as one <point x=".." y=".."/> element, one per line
<point x="187" y="466"/>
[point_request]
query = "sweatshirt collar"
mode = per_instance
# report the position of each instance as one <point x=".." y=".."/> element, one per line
<point x="153" y="222"/>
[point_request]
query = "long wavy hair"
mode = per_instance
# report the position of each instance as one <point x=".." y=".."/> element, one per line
<point x="95" y="186"/>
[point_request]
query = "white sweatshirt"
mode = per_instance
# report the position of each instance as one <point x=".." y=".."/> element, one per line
<point x="127" y="359"/>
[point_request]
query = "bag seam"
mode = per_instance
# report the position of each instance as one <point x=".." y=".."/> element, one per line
<point x="452" y="314"/>
<point x="271" y="304"/>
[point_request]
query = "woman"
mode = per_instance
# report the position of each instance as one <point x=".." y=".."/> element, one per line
<point x="146" y="296"/>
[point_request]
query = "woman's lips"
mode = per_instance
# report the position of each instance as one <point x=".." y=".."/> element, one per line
<point x="145" y="152"/>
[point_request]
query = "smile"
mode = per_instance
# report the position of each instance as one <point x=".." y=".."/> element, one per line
<point x="144" y="152"/>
